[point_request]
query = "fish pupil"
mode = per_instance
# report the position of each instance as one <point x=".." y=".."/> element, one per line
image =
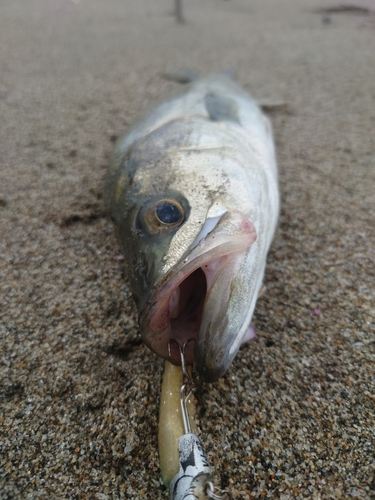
<point x="168" y="213"/>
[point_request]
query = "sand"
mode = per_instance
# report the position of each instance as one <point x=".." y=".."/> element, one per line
<point x="294" y="415"/>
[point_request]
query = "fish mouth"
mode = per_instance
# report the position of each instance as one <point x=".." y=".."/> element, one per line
<point x="179" y="303"/>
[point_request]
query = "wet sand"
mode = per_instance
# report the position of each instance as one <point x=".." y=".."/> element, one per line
<point x="294" y="417"/>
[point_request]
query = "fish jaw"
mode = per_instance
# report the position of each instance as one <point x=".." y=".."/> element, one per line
<point x="224" y="329"/>
<point x="181" y="307"/>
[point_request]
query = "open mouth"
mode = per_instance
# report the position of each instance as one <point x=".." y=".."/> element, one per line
<point x="186" y="307"/>
<point x="179" y="305"/>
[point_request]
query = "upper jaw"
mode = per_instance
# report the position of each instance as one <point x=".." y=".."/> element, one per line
<point x="178" y="304"/>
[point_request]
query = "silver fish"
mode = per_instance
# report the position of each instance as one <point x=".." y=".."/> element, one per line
<point x="193" y="192"/>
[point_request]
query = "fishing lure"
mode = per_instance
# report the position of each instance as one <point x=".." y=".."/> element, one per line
<point x="194" y="478"/>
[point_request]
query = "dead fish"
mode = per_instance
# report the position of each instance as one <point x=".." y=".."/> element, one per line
<point x="193" y="193"/>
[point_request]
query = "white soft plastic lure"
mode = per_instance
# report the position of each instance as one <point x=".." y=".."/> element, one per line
<point x="193" y="192"/>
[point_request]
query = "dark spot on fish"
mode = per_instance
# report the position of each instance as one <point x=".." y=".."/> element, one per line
<point x="221" y="108"/>
<point x="269" y="343"/>
<point x="3" y="202"/>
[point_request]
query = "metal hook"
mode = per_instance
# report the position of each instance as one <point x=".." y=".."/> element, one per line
<point x="215" y="493"/>
<point x="193" y="478"/>
<point x="182" y="352"/>
<point x="183" y="361"/>
<point x="188" y="385"/>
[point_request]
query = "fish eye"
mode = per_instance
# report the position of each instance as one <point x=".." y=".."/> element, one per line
<point x="168" y="212"/>
<point x="162" y="214"/>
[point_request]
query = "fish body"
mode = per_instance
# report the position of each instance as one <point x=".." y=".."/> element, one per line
<point x="193" y="192"/>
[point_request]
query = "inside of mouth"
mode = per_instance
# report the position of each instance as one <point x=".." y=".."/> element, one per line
<point x="186" y="307"/>
<point x="180" y="312"/>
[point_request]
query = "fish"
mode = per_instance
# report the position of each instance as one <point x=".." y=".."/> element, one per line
<point x="192" y="189"/>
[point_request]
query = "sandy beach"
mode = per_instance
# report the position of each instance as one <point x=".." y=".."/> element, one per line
<point x="294" y="417"/>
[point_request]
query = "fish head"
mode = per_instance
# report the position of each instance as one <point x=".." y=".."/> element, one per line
<point x="204" y="298"/>
<point x="188" y="248"/>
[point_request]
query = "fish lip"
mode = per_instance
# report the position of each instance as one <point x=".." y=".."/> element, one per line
<point x="239" y="235"/>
